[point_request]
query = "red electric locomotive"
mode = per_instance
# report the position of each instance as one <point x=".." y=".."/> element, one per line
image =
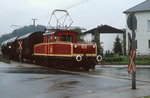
<point x="61" y="49"/>
<point x="54" y="48"/>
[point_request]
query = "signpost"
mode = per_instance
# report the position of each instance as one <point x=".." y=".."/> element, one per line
<point x="132" y="25"/>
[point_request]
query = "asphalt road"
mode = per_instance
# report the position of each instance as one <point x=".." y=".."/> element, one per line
<point x="30" y="81"/>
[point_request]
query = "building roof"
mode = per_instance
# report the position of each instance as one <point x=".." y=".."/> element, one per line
<point x="105" y="29"/>
<point x="144" y="6"/>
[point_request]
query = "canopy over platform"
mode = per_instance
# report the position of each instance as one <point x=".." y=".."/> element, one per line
<point x="104" y="29"/>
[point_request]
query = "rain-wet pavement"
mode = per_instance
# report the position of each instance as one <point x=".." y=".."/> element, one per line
<point x="31" y="81"/>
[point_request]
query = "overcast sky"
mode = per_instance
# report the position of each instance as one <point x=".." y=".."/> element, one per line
<point x="88" y="15"/>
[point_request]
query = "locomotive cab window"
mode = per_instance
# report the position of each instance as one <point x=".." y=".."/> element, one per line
<point x="68" y="38"/>
<point x="56" y="38"/>
<point x="49" y="38"/>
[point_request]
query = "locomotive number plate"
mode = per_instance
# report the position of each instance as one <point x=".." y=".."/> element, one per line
<point x="84" y="46"/>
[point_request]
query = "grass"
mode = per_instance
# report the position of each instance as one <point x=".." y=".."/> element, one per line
<point x="142" y="61"/>
<point x="4" y="59"/>
<point x="116" y="59"/>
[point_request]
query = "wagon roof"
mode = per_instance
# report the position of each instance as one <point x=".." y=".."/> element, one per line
<point x="10" y="40"/>
<point x="27" y="35"/>
<point x="24" y="36"/>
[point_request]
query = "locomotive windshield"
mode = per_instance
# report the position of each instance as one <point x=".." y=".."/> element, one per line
<point x="50" y="39"/>
<point x="68" y="38"/>
<point x="56" y="38"/>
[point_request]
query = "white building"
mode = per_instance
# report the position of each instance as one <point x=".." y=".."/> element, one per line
<point x="108" y="35"/>
<point x="142" y="13"/>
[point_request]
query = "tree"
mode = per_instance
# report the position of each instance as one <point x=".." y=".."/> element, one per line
<point x="78" y="30"/>
<point x="117" y="46"/>
<point x="124" y="43"/>
<point x="21" y="31"/>
<point x="97" y="41"/>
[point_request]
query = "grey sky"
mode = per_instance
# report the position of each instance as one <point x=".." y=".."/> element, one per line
<point x="88" y="15"/>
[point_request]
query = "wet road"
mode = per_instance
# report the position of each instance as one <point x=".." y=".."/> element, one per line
<point x="29" y="81"/>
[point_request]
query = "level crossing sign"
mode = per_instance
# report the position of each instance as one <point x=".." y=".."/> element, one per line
<point x="132" y="25"/>
<point x="131" y="63"/>
<point x="20" y="45"/>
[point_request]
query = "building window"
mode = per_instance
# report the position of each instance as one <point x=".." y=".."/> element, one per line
<point x="149" y="25"/>
<point x="148" y="44"/>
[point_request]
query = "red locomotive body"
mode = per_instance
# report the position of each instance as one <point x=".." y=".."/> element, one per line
<point x="60" y="49"/>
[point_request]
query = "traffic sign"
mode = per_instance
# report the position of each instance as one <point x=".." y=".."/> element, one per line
<point x="20" y="50"/>
<point x="132" y="22"/>
<point x="20" y="45"/>
<point x="132" y="25"/>
<point x="131" y="64"/>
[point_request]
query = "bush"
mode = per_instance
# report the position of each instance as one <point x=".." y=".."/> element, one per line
<point x="113" y="58"/>
<point x="109" y="54"/>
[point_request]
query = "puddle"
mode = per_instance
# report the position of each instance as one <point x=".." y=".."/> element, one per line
<point x="38" y="70"/>
<point x="36" y="78"/>
<point x="64" y="85"/>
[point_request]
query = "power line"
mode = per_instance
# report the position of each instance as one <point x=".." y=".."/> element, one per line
<point x="77" y="3"/>
<point x="72" y="6"/>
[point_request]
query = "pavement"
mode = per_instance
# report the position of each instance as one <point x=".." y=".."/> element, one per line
<point x="107" y="81"/>
<point x="122" y="92"/>
<point x="122" y="66"/>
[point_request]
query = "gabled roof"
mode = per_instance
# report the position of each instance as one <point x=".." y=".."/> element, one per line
<point x="105" y="29"/>
<point x="144" y="6"/>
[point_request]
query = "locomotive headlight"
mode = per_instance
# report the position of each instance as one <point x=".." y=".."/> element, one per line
<point x="94" y="46"/>
<point x="9" y="47"/>
<point x="75" y="46"/>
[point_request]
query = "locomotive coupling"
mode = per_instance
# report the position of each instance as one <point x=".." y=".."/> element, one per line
<point x="99" y="58"/>
<point x="78" y="58"/>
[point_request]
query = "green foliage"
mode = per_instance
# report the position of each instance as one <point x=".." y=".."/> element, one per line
<point x="113" y="58"/>
<point x="109" y="54"/>
<point x="117" y="46"/>
<point x="124" y="44"/>
<point x="119" y="59"/>
<point x="21" y="31"/>
<point x="4" y="59"/>
<point x="97" y="41"/>
<point x="78" y="30"/>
